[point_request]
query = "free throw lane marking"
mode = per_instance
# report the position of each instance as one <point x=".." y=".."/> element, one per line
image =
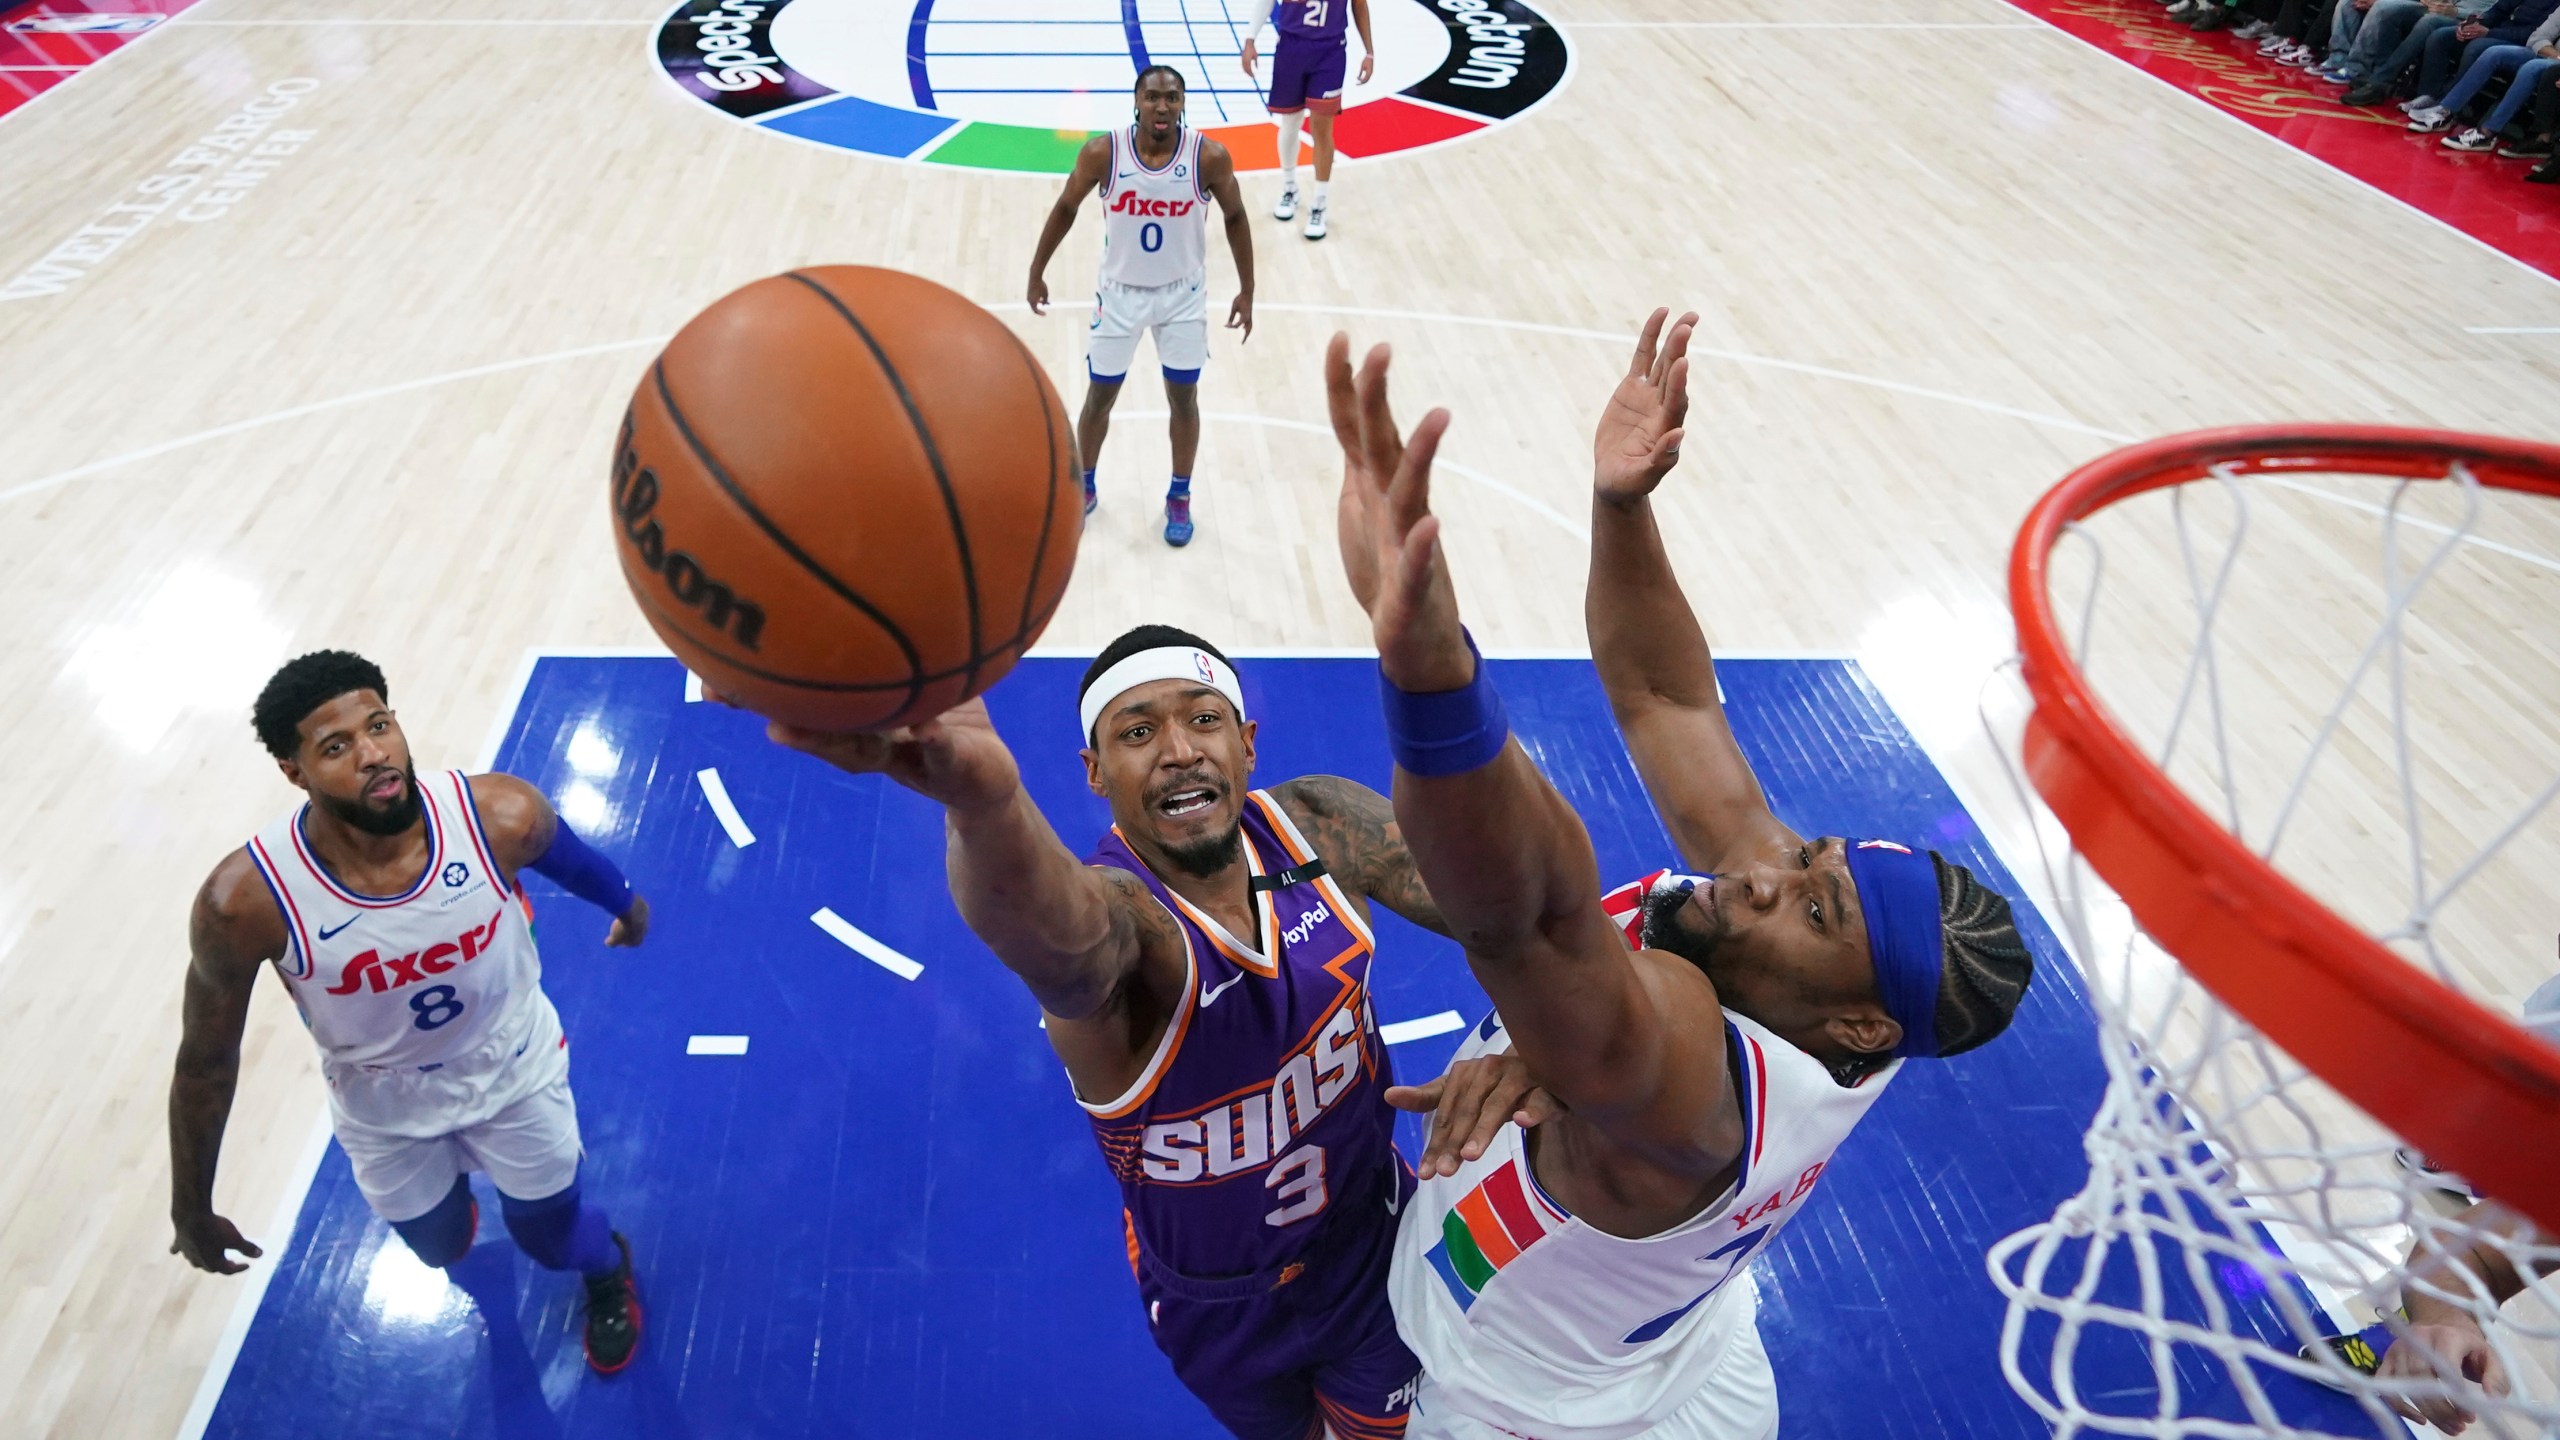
<point x="864" y="946"/>
<point x="730" y="819"/>
<point x="716" y="1045"/>
<point x="1422" y="1029"/>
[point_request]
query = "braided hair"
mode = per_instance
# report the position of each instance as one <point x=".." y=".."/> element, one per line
<point x="1987" y="964"/>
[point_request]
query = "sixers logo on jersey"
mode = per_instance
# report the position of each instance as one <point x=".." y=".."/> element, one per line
<point x="1129" y="202"/>
<point x="371" y="970"/>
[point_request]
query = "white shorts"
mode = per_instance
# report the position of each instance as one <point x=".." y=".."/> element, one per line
<point x="1738" y="1402"/>
<point x="1178" y="314"/>
<point x="505" y="1109"/>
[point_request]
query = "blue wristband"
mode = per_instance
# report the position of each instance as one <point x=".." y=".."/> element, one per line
<point x="1446" y="732"/>
<point x="578" y="869"/>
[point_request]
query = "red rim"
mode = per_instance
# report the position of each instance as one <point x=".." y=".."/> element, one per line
<point x="2458" y="1080"/>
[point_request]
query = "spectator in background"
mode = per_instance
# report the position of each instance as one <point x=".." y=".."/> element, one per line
<point x="2450" y="52"/>
<point x="2528" y="62"/>
<point x="2363" y="31"/>
<point x="2437" y="15"/>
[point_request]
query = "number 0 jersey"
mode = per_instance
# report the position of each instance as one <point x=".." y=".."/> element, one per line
<point x="1155" y="222"/>
<point x="410" y="980"/>
<point x="1262" y="1117"/>
<point x="1533" y="1322"/>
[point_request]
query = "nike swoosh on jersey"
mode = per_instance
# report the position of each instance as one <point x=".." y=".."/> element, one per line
<point x="1209" y="997"/>
<point x="326" y="934"/>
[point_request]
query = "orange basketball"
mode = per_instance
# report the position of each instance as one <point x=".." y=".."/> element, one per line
<point x="846" y="497"/>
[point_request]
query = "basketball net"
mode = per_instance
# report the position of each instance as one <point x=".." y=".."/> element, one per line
<point x="2303" y="846"/>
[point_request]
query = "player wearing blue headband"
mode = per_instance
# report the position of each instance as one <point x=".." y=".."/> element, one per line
<point x="1854" y="951"/>
<point x="1713" y="1041"/>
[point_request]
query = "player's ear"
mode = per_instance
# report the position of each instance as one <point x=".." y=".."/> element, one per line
<point x="1865" y="1029"/>
<point x="292" y="774"/>
<point x="1249" y="729"/>
<point x="1092" y="769"/>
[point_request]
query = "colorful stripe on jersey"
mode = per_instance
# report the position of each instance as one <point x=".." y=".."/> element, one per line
<point x="1350" y="1424"/>
<point x="1498" y="1222"/>
<point x="470" y="811"/>
<point x="299" y="963"/>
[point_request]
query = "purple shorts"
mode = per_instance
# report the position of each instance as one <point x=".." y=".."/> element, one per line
<point x="1319" y="1344"/>
<point x="1307" y="74"/>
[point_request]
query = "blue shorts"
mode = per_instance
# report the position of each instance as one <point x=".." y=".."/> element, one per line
<point x="1307" y="74"/>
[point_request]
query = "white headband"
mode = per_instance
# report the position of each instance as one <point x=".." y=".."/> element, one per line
<point x="1169" y="662"/>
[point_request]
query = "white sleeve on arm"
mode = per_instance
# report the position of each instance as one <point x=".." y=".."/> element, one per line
<point x="2547" y="33"/>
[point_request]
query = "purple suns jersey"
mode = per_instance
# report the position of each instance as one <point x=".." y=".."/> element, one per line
<point x="1311" y="19"/>
<point x="1262" y="1112"/>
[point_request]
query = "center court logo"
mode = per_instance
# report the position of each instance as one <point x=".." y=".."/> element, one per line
<point x="891" y="78"/>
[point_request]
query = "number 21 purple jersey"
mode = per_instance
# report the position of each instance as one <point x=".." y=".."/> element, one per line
<point x="1312" y="19"/>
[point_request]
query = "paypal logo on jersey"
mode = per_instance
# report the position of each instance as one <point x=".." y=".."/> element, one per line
<point x="1307" y="921"/>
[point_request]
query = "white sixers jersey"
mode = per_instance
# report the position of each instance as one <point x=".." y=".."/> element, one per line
<point x="1155" y="223"/>
<point x="403" y="980"/>
<point x="1530" y="1320"/>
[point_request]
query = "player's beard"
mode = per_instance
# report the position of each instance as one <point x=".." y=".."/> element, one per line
<point x="1661" y="930"/>
<point x="371" y="821"/>
<point x="1203" y="858"/>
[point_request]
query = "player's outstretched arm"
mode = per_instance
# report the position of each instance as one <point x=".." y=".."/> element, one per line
<point x="1074" y="933"/>
<point x="1218" y="172"/>
<point x="529" y="835"/>
<point x="1354" y="831"/>
<point x="1645" y="641"/>
<point x="1093" y="164"/>
<point x="1508" y="861"/>
<point x="233" y="929"/>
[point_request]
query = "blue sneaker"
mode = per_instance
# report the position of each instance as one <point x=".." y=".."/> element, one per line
<point x="1177" y="520"/>
<point x="1092" y="497"/>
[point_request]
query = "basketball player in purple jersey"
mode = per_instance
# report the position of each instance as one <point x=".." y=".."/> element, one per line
<point x="1157" y="178"/>
<point x="388" y="904"/>
<point x="1306" y="84"/>
<point x="1204" y="973"/>
<point x="1713" y="1043"/>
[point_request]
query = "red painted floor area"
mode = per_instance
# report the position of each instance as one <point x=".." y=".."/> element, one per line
<point x="2480" y="195"/>
<point x="45" y="42"/>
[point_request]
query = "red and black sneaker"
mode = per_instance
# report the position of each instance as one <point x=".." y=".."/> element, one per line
<point x="613" y="1315"/>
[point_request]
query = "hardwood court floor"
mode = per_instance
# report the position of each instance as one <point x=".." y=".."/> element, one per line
<point x="1942" y="254"/>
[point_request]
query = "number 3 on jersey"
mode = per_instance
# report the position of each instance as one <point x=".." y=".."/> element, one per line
<point x="1297" y="1182"/>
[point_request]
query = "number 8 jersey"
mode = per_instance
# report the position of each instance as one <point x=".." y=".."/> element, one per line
<point x="404" y="981"/>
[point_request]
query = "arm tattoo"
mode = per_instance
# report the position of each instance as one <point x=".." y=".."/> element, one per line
<point x="1353" y="829"/>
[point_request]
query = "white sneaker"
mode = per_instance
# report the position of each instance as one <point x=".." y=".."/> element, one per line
<point x="1315" y="221"/>
<point x="2254" y="30"/>
<point x="1287" y="209"/>
<point x="2430" y="120"/>
<point x="2412" y="107"/>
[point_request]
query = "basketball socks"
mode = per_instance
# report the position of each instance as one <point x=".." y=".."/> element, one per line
<point x="1091" y="496"/>
<point x="1315" y="211"/>
<point x="1287" y="209"/>
<point x="1177" y="512"/>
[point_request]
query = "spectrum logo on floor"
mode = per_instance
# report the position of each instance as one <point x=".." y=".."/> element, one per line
<point x="1020" y="85"/>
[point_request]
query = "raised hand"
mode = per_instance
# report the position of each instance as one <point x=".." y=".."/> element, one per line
<point x="206" y="1241"/>
<point x="1469" y="1104"/>
<point x="1640" y="433"/>
<point x="1389" y="538"/>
